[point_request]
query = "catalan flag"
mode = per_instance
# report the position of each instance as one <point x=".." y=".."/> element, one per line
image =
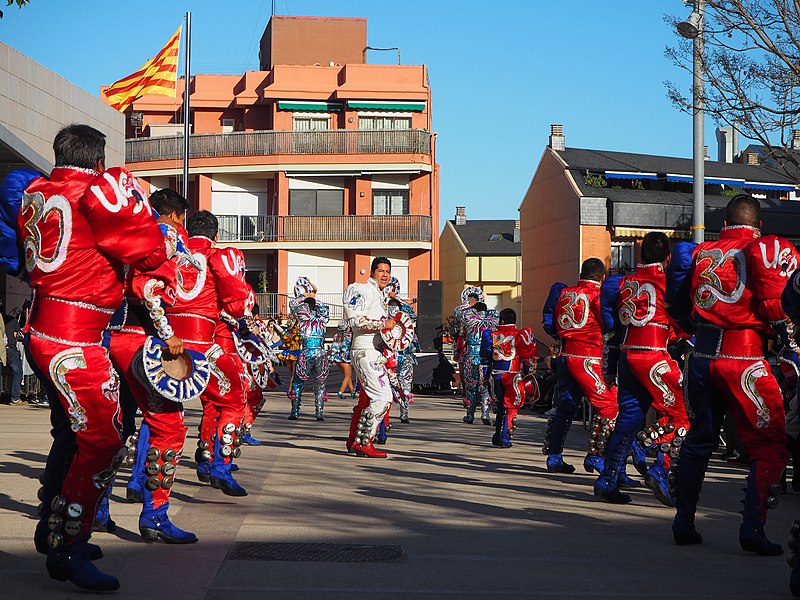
<point x="157" y="76"/>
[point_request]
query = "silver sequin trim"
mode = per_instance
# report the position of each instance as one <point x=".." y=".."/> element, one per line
<point x="51" y="338"/>
<point x="86" y="305"/>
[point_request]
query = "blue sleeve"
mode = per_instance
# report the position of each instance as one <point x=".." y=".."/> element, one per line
<point x="549" y="310"/>
<point x="609" y="293"/>
<point x="11" y="190"/>
<point x="790" y="298"/>
<point x="677" y="297"/>
<point x="486" y="346"/>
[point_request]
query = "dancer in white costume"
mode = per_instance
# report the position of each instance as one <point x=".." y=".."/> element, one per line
<point x="366" y="314"/>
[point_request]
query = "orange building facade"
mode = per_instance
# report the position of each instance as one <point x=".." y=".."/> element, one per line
<point x="313" y="168"/>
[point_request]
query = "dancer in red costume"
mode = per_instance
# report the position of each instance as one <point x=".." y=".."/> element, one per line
<point x="78" y="230"/>
<point x="163" y="431"/>
<point x="734" y="288"/>
<point x="509" y="353"/>
<point x="217" y="289"/>
<point x="578" y="367"/>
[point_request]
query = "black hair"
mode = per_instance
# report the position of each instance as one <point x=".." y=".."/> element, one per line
<point x="480" y="306"/>
<point x="202" y="223"/>
<point x="743" y="209"/>
<point x="79" y="146"/>
<point x="655" y="247"/>
<point x="508" y="316"/>
<point x="311" y="301"/>
<point x="394" y="302"/>
<point x="380" y="260"/>
<point x="167" y="201"/>
<point x="256" y="310"/>
<point x="593" y="268"/>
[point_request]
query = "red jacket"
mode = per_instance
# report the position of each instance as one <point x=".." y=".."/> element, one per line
<point x="79" y="229"/>
<point x="578" y="319"/>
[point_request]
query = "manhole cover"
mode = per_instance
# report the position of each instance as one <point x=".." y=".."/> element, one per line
<point x="356" y="553"/>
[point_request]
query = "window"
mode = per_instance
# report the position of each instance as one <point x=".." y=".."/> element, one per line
<point x="311" y="122"/>
<point x="228" y="125"/>
<point x="323" y="203"/>
<point x="622" y="256"/>
<point x="370" y="123"/>
<point x="389" y="202"/>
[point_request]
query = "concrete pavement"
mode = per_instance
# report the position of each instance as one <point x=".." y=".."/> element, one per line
<point x="473" y="521"/>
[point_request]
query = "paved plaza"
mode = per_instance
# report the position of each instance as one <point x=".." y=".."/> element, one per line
<point x="445" y="516"/>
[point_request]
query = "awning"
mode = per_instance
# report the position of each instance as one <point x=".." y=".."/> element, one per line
<point x="740" y="183"/>
<point x="307" y="105"/>
<point x="386" y="105"/>
<point x="708" y="180"/>
<point x="754" y="185"/>
<point x="638" y="233"/>
<point x="629" y="175"/>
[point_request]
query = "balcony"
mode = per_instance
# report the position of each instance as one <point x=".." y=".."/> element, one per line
<point x="276" y="306"/>
<point x="346" y="228"/>
<point x="273" y="143"/>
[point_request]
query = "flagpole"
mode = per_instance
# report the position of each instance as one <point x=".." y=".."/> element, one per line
<point x="186" y="117"/>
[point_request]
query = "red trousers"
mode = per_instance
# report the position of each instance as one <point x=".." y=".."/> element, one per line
<point x="164" y="417"/>
<point x="587" y="375"/>
<point x="662" y="380"/>
<point x="225" y="397"/>
<point x="88" y="389"/>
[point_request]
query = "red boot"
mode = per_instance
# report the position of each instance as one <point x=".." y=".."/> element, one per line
<point x="368" y="450"/>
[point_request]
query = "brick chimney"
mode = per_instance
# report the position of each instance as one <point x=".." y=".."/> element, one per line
<point x="795" y="139"/>
<point x="516" y="231"/>
<point x="557" y="141"/>
<point x="461" y="215"/>
<point x="752" y="158"/>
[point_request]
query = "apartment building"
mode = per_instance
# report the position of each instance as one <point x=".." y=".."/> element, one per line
<point x="315" y="164"/>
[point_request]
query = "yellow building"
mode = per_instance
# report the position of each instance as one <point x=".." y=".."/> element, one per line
<point x="483" y="253"/>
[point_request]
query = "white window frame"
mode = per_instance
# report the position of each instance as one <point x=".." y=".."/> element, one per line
<point x="311" y="117"/>
<point x="620" y="246"/>
<point x="228" y="125"/>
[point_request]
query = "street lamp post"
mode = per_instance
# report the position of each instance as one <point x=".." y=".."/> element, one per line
<point x="692" y="29"/>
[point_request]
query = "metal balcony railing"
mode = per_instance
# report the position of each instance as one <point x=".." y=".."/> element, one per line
<point x="276" y="306"/>
<point x="271" y="143"/>
<point x="345" y="228"/>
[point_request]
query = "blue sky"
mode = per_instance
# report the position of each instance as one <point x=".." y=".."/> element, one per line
<point x="501" y="72"/>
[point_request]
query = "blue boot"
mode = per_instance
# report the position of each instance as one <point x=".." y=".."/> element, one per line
<point x="612" y="468"/>
<point x="204" y="472"/>
<point x="657" y="480"/>
<point x="133" y="492"/>
<point x="382" y="434"/>
<point x="154" y="525"/>
<point x="103" y="523"/>
<point x="556" y="464"/>
<point x="608" y="490"/>
<point x="593" y="462"/>
<point x="688" y="482"/>
<point x="72" y="563"/>
<point x="250" y="440"/>
<point x="625" y="481"/>
<point x="639" y="457"/>
<point x="751" y="533"/>
<point x="220" y="476"/>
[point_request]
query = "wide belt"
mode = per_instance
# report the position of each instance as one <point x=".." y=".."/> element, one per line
<point x="652" y="336"/>
<point x="580" y="349"/>
<point x="69" y="321"/>
<point x="192" y="328"/>
<point x="715" y="342"/>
